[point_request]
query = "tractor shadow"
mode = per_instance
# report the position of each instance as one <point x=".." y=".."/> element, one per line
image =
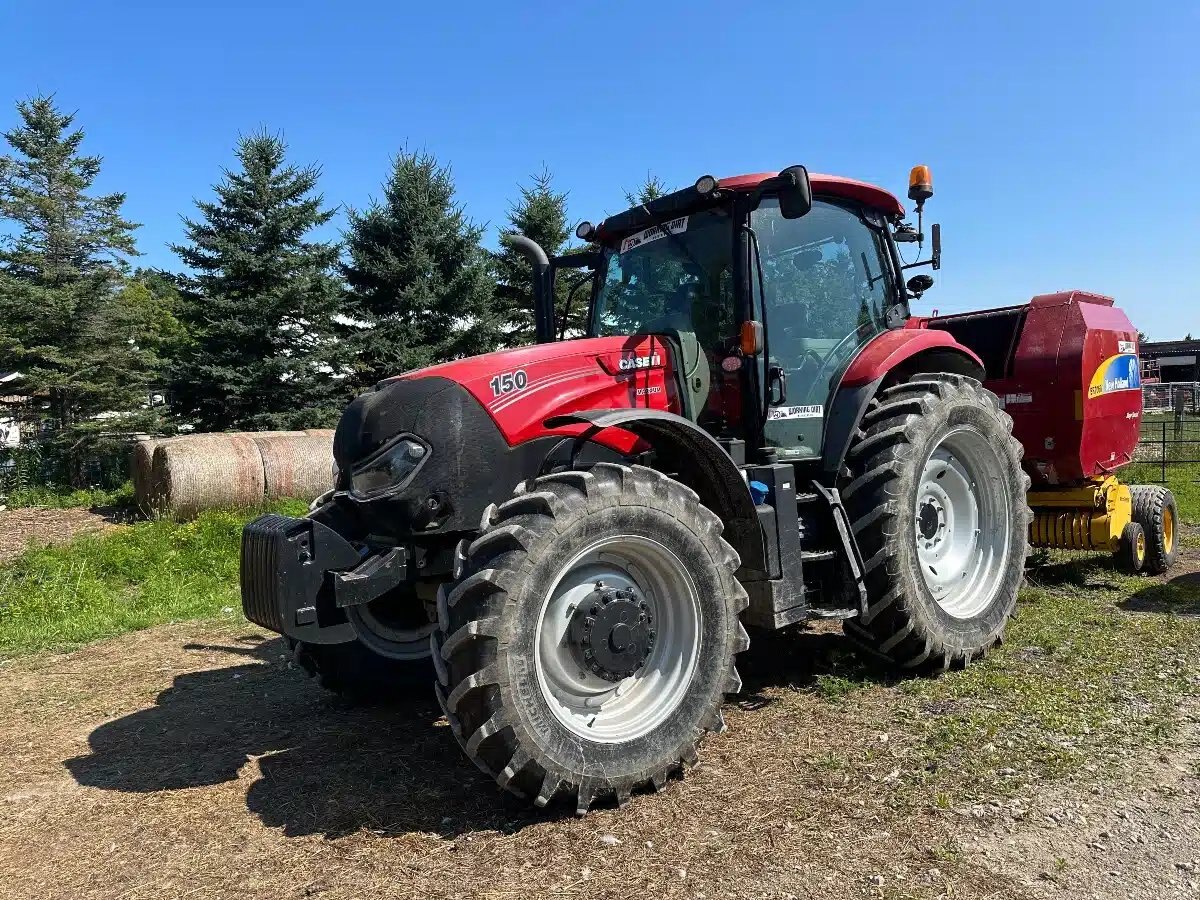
<point x="326" y="767"/>
<point x="817" y="658"/>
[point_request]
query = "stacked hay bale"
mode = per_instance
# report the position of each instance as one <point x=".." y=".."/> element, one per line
<point x="296" y="465"/>
<point x="181" y="476"/>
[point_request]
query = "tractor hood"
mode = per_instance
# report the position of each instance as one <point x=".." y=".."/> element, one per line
<point x="481" y="422"/>
<point x="513" y="392"/>
<point x="521" y="388"/>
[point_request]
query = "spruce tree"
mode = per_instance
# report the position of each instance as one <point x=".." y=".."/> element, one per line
<point x="539" y="214"/>
<point x="260" y="301"/>
<point x="83" y="363"/>
<point x="419" y="281"/>
<point x="650" y="189"/>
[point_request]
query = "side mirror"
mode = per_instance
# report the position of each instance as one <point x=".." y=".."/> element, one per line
<point x="795" y="192"/>
<point x="919" y="284"/>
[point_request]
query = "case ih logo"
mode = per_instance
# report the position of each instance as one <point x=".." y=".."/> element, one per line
<point x="629" y="363"/>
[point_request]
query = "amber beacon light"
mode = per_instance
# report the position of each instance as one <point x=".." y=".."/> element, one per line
<point x="920" y="184"/>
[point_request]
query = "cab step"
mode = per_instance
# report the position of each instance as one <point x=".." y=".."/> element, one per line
<point x="818" y="555"/>
<point x="818" y="612"/>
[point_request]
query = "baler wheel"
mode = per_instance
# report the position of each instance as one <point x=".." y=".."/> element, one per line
<point x="1155" y="510"/>
<point x="1131" y="551"/>
<point x="936" y="497"/>
<point x="589" y="641"/>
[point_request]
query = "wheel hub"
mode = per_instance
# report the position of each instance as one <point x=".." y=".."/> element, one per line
<point x="613" y="632"/>
<point x="930" y="519"/>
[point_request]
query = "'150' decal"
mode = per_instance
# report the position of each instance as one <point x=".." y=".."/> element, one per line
<point x="507" y="382"/>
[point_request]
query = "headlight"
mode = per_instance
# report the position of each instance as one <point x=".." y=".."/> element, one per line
<point x="389" y="468"/>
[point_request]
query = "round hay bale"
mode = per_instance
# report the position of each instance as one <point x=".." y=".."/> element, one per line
<point x="141" y="461"/>
<point x="204" y="471"/>
<point x="298" y="465"/>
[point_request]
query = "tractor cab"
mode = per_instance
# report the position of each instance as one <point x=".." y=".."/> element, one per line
<point x="764" y="286"/>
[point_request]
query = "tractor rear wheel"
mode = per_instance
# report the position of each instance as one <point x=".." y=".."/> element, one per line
<point x="936" y="497"/>
<point x="590" y="640"/>
<point x="1155" y="510"/>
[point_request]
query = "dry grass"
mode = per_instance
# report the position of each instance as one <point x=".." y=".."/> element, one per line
<point x="26" y="527"/>
<point x="192" y="760"/>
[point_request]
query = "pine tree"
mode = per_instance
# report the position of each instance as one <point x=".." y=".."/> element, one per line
<point x="540" y="214"/>
<point x="261" y="300"/>
<point x="650" y="189"/>
<point x="63" y="326"/>
<point x="420" y="284"/>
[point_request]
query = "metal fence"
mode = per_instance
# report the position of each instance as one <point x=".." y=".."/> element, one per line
<point x="1169" y="443"/>
<point x="1170" y="398"/>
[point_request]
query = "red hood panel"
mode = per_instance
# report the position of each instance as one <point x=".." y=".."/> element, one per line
<point x="521" y="388"/>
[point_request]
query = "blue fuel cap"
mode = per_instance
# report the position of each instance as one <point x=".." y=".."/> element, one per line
<point x="759" y="492"/>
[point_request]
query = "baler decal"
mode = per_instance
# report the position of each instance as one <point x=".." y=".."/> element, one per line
<point x="1117" y="373"/>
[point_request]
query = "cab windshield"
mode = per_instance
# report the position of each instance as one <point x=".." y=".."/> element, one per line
<point x="675" y="278"/>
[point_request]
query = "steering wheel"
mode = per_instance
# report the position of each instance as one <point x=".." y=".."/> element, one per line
<point x="833" y="355"/>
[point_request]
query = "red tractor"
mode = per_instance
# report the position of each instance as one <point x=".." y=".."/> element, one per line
<point x="754" y="430"/>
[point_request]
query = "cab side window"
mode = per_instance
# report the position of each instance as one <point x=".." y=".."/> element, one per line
<point x="827" y="287"/>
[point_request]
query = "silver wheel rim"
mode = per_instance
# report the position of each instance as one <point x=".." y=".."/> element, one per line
<point x="962" y="523"/>
<point x="593" y="707"/>
<point x="386" y="638"/>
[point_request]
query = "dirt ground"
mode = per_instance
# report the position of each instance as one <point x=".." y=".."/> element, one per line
<point x="186" y="761"/>
<point x="21" y="527"/>
<point x="195" y="761"/>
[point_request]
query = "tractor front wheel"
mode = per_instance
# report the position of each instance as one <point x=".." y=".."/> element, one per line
<point x="936" y="497"/>
<point x="390" y="654"/>
<point x="589" y="642"/>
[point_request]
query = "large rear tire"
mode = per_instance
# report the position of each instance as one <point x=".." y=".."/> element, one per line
<point x="1155" y="510"/>
<point x="589" y="642"/>
<point x="937" y="500"/>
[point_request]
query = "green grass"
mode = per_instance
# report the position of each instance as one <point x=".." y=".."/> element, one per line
<point x="98" y="585"/>
<point x="1093" y="669"/>
<point x="59" y="497"/>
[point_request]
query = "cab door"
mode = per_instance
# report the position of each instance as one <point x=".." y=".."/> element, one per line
<point x="827" y="285"/>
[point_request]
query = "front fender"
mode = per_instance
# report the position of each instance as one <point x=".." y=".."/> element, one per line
<point x="685" y="448"/>
<point x="890" y="349"/>
<point x="904" y="352"/>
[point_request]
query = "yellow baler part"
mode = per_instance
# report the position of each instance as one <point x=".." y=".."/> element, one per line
<point x="1090" y="517"/>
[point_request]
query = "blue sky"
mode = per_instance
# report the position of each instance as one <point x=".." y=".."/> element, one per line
<point x="1064" y="137"/>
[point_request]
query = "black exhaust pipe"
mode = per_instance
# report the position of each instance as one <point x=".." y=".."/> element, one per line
<point x="543" y="291"/>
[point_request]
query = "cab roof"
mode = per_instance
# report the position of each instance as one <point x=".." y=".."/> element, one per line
<point x="683" y="201"/>
<point x="829" y="185"/>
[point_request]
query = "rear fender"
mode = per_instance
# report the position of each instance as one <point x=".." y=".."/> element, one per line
<point x="892" y="357"/>
<point x="683" y="447"/>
